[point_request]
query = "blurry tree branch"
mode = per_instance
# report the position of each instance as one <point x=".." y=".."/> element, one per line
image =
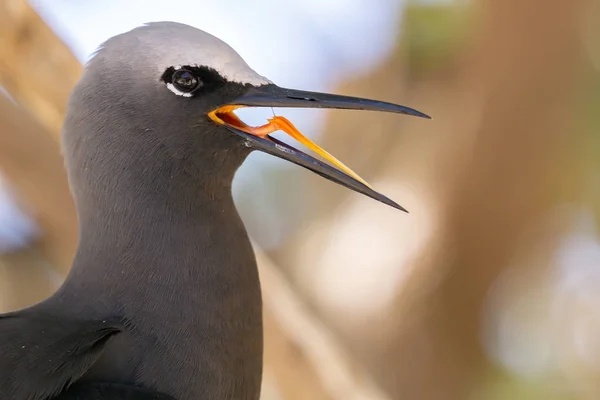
<point x="30" y="158"/>
<point x="38" y="71"/>
<point x="36" y="68"/>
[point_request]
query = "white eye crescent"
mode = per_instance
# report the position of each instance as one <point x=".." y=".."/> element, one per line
<point x="173" y="89"/>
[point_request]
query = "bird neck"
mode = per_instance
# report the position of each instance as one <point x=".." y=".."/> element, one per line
<point x="178" y="239"/>
<point x="178" y="264"/>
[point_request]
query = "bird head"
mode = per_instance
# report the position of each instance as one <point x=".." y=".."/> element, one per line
<point x="167" y="93"/>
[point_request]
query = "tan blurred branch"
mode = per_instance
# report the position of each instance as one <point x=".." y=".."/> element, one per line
<point x="38" y="70"/>
<point x="35" y="66"/>
<point x="31" y="160"/>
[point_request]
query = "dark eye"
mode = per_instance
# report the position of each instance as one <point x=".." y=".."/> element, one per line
<point x="185" y="81"/>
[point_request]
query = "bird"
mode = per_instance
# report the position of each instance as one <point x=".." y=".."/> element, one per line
<point x="163" y="298"/>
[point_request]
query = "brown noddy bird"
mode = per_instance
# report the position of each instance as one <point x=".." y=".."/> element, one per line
<point x="163" y="299"/>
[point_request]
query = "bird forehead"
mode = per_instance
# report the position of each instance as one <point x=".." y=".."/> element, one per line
<point x="223" y="60"/>
<point x="169" y="44"/>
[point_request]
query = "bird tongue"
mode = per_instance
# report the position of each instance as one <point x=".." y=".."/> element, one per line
<point x="281" y="123"/>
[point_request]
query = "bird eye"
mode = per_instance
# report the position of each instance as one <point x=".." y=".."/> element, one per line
<point x="185" y="81"/>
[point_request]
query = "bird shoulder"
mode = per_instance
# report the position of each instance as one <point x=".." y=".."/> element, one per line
<point x="42" y="354"/>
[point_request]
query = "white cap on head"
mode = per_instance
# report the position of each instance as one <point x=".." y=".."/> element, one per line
<point x="175" y="44"/>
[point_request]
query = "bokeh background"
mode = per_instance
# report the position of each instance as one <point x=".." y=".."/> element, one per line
<point x="488" y="289"/>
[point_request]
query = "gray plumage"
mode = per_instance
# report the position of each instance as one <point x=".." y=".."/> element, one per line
<point x="164" y="282"/>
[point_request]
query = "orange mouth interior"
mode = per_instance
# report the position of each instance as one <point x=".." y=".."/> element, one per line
<point x="225" y="116"/>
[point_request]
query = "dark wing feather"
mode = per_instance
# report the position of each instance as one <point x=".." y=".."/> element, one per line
<point x="110" y="391"/>
<point x="41" y="355"/>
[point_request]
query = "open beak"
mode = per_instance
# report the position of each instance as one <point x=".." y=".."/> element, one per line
<point x="258" y="137"/>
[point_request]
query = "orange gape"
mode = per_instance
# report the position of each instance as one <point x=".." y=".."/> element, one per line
<point x="225" y="115"/>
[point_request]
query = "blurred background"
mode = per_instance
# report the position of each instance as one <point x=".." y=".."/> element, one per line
<point x="488" y="289"/>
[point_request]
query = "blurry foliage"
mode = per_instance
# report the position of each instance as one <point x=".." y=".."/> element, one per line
<point x="434" y="35"/>
<point x="501" y="384"/>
